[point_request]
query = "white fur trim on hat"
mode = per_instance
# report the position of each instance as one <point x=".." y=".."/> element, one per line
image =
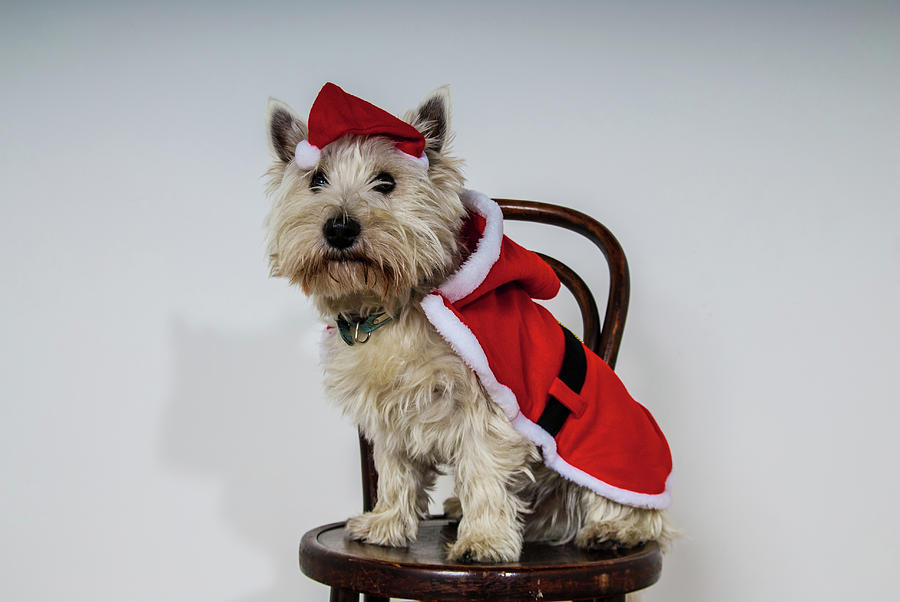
<point x="423" y="160"/>
<point x="307" y="156"/>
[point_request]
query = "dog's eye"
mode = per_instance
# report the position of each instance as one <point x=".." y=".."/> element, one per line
<point x="317" y="181"/>
<point x="384" y="183"/>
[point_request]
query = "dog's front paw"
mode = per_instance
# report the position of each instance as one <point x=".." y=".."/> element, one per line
<point x="602" y="536"/>
<point x="480" y="548"/>
<point x="382" y="528"/>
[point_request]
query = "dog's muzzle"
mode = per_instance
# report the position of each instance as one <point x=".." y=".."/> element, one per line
<point x="341" y="232"/>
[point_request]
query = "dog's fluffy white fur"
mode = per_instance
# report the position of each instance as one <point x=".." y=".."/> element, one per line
<point x="413" y="397"/>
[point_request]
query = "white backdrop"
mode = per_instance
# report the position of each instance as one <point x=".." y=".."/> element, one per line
<point x="163" y="432"/>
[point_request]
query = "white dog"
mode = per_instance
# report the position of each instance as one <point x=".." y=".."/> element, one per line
<point x="371" y="219"/>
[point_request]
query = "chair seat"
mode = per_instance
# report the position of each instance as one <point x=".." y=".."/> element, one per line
<point x="421" y="571"/>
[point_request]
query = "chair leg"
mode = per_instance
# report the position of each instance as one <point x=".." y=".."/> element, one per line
<point x="343" y="595"/>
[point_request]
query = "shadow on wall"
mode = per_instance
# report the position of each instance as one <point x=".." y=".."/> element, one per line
<point x="241" y="410"/>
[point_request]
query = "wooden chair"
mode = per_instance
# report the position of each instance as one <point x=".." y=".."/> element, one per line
<point x="544" y="572"/>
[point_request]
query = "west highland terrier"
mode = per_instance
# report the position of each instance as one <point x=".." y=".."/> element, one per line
<point x="436" y="350"/>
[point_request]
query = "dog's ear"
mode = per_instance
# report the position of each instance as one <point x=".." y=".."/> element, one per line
<point x="432" y="118"/>
<point x="285" y="130"/>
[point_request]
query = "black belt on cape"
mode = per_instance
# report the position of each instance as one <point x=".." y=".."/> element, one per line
<point x="572" y="374"/>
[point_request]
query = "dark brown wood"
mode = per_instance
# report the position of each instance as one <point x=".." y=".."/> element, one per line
<point x="619" y="283"/>
<point x="343" y="595"/>
<point x="368" y="598"/>
<point x="421" y="570"/>
<point x="590" y="316"/>
<point x="369" y="474"/>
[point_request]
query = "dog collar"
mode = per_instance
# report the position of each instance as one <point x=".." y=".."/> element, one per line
<point x="358" y="329"/>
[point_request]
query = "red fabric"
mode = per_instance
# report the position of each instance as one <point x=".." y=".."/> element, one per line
<point x="335" y="114"/>
<point x="609" y="436"/>
<point x="569" y="398"/>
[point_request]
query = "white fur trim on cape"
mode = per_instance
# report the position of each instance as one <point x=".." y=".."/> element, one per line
<point x="307" y="156"/>
<point x="475" y="269"/>
<point x="463" y="341"/>
<point x="466" y="346"/>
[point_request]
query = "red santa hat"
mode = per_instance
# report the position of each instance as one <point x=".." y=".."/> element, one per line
<point x="335" y="114"/>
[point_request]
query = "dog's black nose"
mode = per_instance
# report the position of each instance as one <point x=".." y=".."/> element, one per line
<point x="341" y="231"/>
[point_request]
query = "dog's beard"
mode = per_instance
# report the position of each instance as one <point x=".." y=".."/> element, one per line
<point x="332" y="274"/>
<point x="342" y="279"/>
<point x="348" y="274"/>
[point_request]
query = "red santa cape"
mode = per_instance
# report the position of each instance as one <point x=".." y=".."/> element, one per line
<point x="588" y="427"/>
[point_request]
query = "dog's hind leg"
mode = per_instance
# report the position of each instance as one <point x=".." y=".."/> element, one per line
<point x="609" y="524"/>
